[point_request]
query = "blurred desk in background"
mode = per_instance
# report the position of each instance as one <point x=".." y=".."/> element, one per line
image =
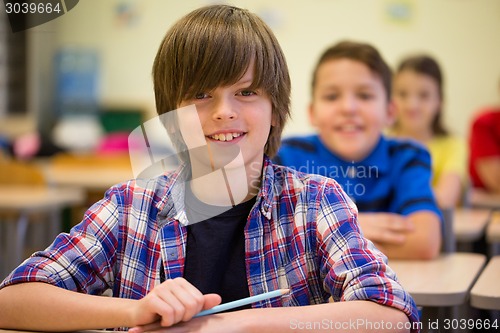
<point x="90" y="179"/>
<point x="89" y="172"/>
<point x="92" y="173"/>
<point x="17" y="203"/>
<point x="486" y="291"/>
<point x="440" y="286"/>
<point x="469" y="226"/>
<point x="444" y="281"/>
<point x="493" y="233"/>
<point x="482" y="199"/>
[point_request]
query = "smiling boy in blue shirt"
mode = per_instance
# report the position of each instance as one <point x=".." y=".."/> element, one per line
<point x="389" y="180"/>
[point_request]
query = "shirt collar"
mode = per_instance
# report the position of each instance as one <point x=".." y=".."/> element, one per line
<point x="265" y="197"/>
<point x="379" y="156"/>
<point x="171" y="206"/>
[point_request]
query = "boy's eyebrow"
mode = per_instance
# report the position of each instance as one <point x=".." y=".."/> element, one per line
<point x="367" y="86"/>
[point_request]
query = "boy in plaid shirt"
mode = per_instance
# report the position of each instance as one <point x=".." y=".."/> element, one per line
<point x="281" y="229"/>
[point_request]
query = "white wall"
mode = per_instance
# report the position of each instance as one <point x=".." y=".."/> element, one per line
<point x="463" y="35"/>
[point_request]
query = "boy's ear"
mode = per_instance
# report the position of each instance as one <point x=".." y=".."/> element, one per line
<point x="391" y="114"/>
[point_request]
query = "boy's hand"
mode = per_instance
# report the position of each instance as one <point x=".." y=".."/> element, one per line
<point x="385" y="227"/>
<point x="171" y="302"/>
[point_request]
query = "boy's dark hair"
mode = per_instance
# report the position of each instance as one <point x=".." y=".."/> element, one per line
<point x="426" y="65"/>
<point x="362" y="52"/>
<point x="213" y="46"/>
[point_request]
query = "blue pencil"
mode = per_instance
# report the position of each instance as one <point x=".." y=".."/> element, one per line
<point x="243" y="301"/>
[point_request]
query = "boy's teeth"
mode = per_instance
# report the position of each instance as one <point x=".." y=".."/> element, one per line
<point x="225" y="137"/>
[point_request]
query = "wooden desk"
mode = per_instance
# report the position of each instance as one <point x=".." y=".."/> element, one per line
<point x="469" y="224"/>
<point x="28" y="198"/>
<point x="486" y="291"/>
<point x="87" y="171"/>
<point x="88" y="178"/>
<point x="16" y="203"/>
<point x="483" y="199"/>
<point x="94" y="174"/>
<point x="493" y="233"/>
<point x="444" y="281"/>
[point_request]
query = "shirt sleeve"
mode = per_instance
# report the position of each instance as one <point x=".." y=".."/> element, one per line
<point x="485" y="138"/>
<point x="80" y="261"/>
<point x="354" y="269"/>
<point x="412" y="183"/>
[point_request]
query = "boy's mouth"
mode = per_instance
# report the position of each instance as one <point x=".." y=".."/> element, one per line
<point x="349" y="128"/>
<point x="225" y="137"/>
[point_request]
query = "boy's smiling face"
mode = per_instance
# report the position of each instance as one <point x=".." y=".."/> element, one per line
<point x="349" y="108"/>
<point x="235" y="115"/>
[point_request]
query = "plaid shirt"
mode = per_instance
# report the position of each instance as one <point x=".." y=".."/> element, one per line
<point x="301" y="234"/>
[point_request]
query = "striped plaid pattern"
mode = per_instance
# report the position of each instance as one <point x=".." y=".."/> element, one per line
<point x="301" y="234"/>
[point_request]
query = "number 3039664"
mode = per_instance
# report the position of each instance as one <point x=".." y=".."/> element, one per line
<point x="32" y="8"/>
<point x="471" y="324"/>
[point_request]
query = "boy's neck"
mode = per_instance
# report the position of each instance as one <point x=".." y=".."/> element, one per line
<point x="227" y="186"/>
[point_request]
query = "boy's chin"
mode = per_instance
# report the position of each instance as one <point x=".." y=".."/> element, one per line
<point x="353" y="155"/>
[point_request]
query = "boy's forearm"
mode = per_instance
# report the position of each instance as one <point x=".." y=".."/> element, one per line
<point x="43" y="307"/>
<point x="489" y="172"/>
<point x="354" y="316"/>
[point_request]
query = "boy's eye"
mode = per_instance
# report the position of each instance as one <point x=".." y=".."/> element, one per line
<point x="330" y="97"/>
<point x="201" y="95"/>
<point x="247" y="93"/>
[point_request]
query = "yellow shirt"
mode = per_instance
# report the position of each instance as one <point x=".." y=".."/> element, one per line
<point x="449" y="154"/>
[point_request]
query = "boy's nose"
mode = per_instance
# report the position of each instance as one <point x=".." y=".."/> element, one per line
<point x="349" y="104"/>
<point x="223" y="110"/>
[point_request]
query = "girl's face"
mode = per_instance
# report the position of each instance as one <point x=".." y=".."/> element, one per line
<point x="349" y="108"/>
<point x="417" y="101"/>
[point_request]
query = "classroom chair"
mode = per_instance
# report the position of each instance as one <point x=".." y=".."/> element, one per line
<point x="14" y="223"/>
<point x="449" y="242"/>
<point x="448" y="247"/>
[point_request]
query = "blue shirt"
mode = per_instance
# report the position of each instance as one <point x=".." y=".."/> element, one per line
<point x="395" y="177"/>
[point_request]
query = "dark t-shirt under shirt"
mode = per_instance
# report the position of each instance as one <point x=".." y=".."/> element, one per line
<point x="215" y="258"/>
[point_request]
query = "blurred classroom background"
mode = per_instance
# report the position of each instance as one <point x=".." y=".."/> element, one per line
<point x="112" y="45"/>
<point x="85" y="78"/>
